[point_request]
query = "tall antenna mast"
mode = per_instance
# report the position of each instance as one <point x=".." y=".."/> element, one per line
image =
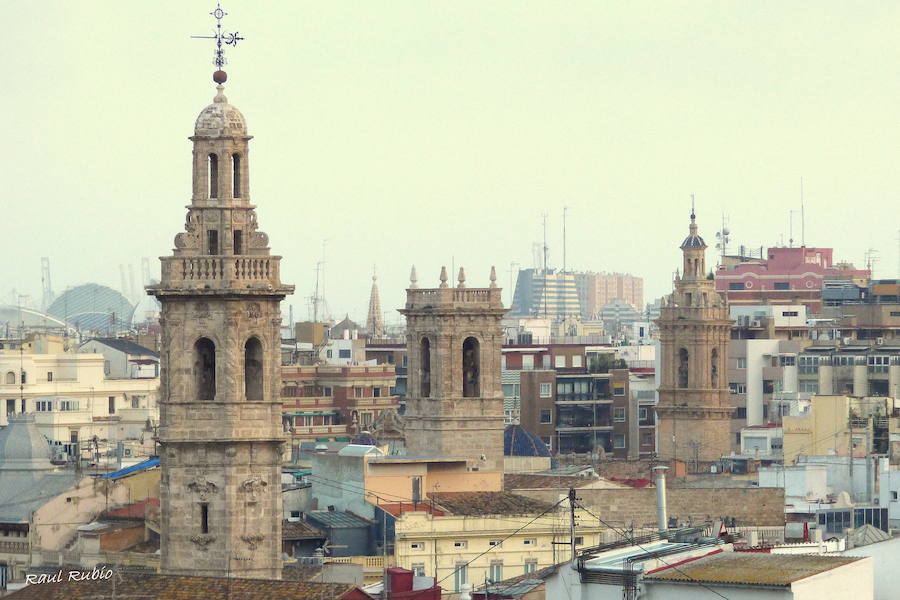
<point x="545" y="242"/>
<point x="802" y="216"/>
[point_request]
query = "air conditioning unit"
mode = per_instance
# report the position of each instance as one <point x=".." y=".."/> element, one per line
<point x="879" y="341"/>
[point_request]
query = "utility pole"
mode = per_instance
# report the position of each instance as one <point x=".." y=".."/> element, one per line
<point x="572" y="522"/>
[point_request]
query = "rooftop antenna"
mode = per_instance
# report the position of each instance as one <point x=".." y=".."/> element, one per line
<point x="802" y="216"/>
<point x="871" y="259"/>
<point x="723" y="237"/>
<point x="791" y="228"/>
<point x="546" y="249"/>
<point x="228" y="38"/>
<point x="565" y="209"/>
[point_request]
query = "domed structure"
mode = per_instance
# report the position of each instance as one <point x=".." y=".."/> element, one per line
<point x="22" y="446"/>
<point x="93" y="307"/>
<point x="518" y="441"/>
<point x="220" y="119"/>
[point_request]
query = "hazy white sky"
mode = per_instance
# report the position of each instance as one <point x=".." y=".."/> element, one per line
<point x="425" y="132"/>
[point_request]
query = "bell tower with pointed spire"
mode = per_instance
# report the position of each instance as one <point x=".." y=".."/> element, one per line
<point x="454" y="401"/>
<point x="220" y="434"/>
<point x="694" y="328"/>
<point x="375" y="320"/>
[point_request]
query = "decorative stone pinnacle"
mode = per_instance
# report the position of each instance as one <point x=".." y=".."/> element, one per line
<point x="493" y="277"/>
<point x="220" y="94"/>
<point x="443" y="277"/>
<point x="413" y="280"/>
<point x="461" y="278"/>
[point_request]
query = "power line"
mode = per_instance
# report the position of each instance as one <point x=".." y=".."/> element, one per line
<point x="654" y="554"/>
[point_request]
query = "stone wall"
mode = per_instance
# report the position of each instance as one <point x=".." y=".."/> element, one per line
<point x="624" y="507"/>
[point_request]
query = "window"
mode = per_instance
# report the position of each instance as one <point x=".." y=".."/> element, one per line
<point x="326" y="391"/>
<point x="618" y="389"/>
<point x="808" y="365"/>
<point x="68" y="405"/>
<point x="742" y="362"/>
<point x="496" y="571"/>
<point x="546" y="390"/>
<point x="741" y="413"/>
<point x="789" y="313"/>
<point x="253" y="369"/>
<point x="787" y="361"/>
<point x="205" y="369"/>
<point x="10" y="378"/>
<point x="11" y="406"/>
<point x="417" y="546"/>
<point x="738" y="285"/>
<point x="460" y="576"/>
<point x="530" y="542"/>
<point x="212" y="240"/>
<point x="112" y="405"/>
<point x="646" y="439"/>
<point x="530" y="565"/>
<point x="577" y="360"/>
<point x="329" y="353"/>
<point x="23" y="405"/>
<point x="527" y="362"/>
<point x="357" y="392"/>
<point x="213" y="176"/>
<point x="135" y="401"/>
<point x="49" y="375"/>
<point x="683" y="368"/>
<point x="295" y="514"/>
<point x="559" y="362"/>
<point x="204" y="517"/>
<point x="238" y="241"/>
<point x="495" y="542"/>
<point x="471" y="364"/>
<point x="418" y="569"/>
<point x="893" y="496"/>
<point x="783" y="285"/>
<point x="73" y="436"/>
<point x="738" y="388"/>
<point x="579" y="540"/>
<point x="895" y="313"/>
<point x="44" y="405"/>
<point x="619" y="440"/>
<point x="546" y="416"/>
<point x="768" y="386"/>
<point x="619" y="414"/>
<point x="545" y="361"/>
<point x="376" y="392"/>
<point x="344" y="353"/>
<point x="424" y="368"/>
<point x="236" y="176"/>
<point x="24" y="377"/>
<point x="642" y="413"/>
<point x="460" y="544"/>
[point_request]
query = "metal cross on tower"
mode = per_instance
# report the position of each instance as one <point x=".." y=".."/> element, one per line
<point x="221" y="37"/>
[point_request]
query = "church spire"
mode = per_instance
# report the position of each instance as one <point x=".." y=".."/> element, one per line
<point x="375" y="321"/>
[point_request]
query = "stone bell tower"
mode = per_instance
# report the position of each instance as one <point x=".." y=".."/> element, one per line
<point x="220" y="428"/>
<point x="454" y="402"/>
<point x="694" y="329"/>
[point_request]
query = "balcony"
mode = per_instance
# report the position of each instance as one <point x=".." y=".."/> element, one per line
<point x="582" y="398"/>
<point x="8" y="547"/>
<point x="303" y="430"/>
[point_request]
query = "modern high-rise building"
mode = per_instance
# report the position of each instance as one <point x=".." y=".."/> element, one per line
<point x="597" y="290"/>
<point x="545" y="293"/>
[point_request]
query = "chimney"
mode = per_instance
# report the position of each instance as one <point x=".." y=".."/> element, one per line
<point x="662" y="517"/>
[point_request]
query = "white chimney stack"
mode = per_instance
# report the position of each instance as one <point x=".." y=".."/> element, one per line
<point x="662" y="516"/>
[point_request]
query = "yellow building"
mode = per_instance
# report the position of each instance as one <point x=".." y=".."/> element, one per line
<point x="467" y="537"/>
<point x="833" y="421"/>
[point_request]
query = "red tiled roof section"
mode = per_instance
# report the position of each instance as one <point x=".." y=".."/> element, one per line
<point x="299" y="530"/>
<point x="518" y="481"/>
<point x="488" y="503"/>
<point x="150" y="586"/>
<point x="398" y="508"/>
<point x="631" y="482"/>
<point x="133" y="511"/>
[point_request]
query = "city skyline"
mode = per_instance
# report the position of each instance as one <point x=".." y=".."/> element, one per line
<point x="383" y="112"/>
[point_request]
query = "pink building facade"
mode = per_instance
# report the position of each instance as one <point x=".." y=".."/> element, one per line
<point x="785" y="276"/>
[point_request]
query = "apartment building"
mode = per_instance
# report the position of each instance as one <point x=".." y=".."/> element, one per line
<point x="334" y="402"/>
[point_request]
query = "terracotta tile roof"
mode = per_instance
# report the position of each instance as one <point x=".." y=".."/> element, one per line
<point x="299" y="530"/>
<point x="539" y="574"/>
<point x="750" y="568"/>
<point x="398" y="508"/>
<point x="519" y="481"/>
<point x="488" y="503"/>
<point x="150" y="586"/>
<point x="136" y="510"/>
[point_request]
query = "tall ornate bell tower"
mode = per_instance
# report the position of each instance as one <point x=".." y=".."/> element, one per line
<point x="454" y="402"/>
<point x="220" y="416"/>
<point x="694" y="329"/>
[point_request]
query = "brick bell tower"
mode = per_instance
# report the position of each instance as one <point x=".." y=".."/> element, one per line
<point x="694" y="328"/>
<point x="454" y="402"/>
<point x="220" y="431"/>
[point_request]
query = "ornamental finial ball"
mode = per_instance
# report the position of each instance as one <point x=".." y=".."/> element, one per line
<point x="220" y="76"/>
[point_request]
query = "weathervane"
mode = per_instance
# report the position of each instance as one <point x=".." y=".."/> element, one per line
<point x="230" y="39"/>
